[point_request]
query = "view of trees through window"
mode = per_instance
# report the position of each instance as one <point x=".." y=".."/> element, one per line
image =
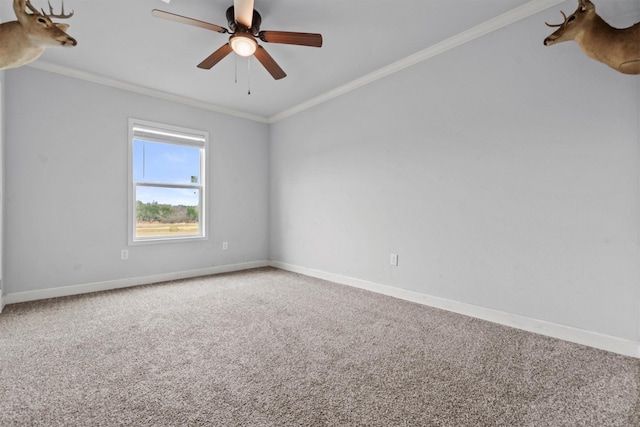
<point x="154" y="219"/>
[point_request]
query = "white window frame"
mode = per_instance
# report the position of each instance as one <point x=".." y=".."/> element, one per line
<point x="161" y="132"/>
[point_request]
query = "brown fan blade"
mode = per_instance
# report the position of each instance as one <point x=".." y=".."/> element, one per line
<point x="190" y="21"/>
<point x="215" y="57"/>
<point x="243" y="12"/>
<point x="269" y="63"/>
<point x="288" y="37"/>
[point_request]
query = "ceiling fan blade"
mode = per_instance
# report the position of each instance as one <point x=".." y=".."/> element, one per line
<point x="243" y="11"/>
<point x="288" y="37"/>
<point x="215" y="57"/>
<point x="190" y="21"/>
<point x="269" y="63"/>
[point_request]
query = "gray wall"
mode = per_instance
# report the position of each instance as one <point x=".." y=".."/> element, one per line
<point x="66" y="185"/>
<point x="504" y="173"/>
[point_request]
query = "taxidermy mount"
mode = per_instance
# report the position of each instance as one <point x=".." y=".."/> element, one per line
<point x="619" y="48"/>
<point x="24" y="40"/>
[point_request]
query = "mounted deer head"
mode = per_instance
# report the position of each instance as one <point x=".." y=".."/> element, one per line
<point x="24" y="40"/>
<point x="618" y="48"/>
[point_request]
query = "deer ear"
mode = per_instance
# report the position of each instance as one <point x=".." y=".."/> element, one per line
<point x="587" y="5"/>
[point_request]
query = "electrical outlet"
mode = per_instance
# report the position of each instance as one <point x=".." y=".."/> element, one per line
<point x="124" y="254"/>
<point x="393" y="260"/>
<point x="225" y="246"/>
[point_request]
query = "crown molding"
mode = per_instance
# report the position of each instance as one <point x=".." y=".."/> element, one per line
<point x="480" y="30"/>
<point x="94" y="78"/>
<point x="500" y="21"/>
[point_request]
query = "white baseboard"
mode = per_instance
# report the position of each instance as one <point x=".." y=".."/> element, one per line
<point x="566" y="333"/>
<point x="26" y="296"/>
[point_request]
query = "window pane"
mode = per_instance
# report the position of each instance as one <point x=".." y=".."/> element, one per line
<point x="166" y="212"/>
<point x="167" y="168"/>
<point x="165" y="163"/>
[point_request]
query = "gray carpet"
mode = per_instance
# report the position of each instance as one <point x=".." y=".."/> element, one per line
<point x="272" y="348"/>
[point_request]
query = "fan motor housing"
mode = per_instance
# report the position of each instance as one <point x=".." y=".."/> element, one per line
<point x="255" y="21"/>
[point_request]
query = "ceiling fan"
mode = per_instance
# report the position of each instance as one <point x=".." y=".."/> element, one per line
<point x="244" y="24"/>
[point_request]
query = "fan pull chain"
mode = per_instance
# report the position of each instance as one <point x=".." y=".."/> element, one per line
<point x="235" y="68"/>
<point x="249" y="75"/>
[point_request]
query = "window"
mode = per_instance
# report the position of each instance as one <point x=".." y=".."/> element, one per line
<point x="167" y="177"/>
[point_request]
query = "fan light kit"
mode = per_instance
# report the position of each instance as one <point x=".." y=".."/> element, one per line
<point x="244" y="22"/>
<point x="243" y="44"/>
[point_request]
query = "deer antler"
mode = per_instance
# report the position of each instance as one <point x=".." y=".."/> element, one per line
<point x="62" y="15"/>
<point x="558" y="25"/>
<point x="50" y="14"/>
<point x="31" y="8"/>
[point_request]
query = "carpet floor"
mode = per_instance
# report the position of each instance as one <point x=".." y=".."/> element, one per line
<point x="267" y="347"/>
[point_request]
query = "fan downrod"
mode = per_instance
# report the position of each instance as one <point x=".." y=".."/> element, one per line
<point x="256" y="21"/>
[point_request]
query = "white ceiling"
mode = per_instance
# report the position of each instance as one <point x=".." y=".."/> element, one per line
<point x="119" y="41"/>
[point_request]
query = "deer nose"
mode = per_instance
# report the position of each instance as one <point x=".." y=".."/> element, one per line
<point x="68" y="41"/>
